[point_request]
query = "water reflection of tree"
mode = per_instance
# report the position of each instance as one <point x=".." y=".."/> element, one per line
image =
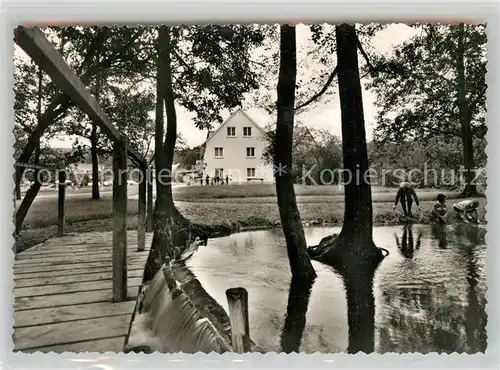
<point x="295" y="320"/>
<point x="407" y="245"/>
<point x="427" y="319"/>
<point x="475" y="313"/>
<point x="360" y="308"/>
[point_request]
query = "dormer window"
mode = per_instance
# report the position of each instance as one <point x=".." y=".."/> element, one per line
<point x="247" y="131"/>
<point x="231" y="131"/>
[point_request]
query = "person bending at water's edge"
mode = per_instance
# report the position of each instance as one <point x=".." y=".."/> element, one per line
<point x="406" y="194"/>
<point x="466" y="210"/>
<point x="439" y="210"/>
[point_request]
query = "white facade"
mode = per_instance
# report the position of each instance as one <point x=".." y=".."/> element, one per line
<point x="235" y="150"/>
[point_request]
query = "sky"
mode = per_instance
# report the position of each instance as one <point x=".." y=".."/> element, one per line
<point x="325" y="116"/>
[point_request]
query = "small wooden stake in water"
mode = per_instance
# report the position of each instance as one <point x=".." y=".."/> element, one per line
<point x="60" y="203"/>
<point x="237" y="299"/>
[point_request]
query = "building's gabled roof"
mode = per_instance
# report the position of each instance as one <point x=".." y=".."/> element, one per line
<point x="211" y="134"/>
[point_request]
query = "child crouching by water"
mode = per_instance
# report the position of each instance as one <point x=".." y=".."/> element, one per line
<point x="467" y="210"/>
<point x="439" y="210"/>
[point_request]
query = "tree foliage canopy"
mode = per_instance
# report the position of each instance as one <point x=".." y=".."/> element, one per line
<point x="416" y="86"/>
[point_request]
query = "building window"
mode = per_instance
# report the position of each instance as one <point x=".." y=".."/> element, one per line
<point x="247" y="131"/>
<point x="219" y="152"/>
<point x="231" y="131"/>
<point x="250" y="172"/>
<point x="250" y="152"/>
<point x="219" y="172"/>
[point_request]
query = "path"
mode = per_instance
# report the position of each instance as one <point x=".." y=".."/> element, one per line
<point x="62" y="291"/>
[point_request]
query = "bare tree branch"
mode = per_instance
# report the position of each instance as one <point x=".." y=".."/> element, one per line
<point x="365" y="55"/>
<point x="320" y="93"/>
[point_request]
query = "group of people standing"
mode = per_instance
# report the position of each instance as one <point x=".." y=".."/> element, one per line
<point x="216" y="180"/>
<point x="465" y="211"/>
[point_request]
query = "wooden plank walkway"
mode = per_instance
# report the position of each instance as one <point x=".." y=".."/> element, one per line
<point x="63" y="293"/>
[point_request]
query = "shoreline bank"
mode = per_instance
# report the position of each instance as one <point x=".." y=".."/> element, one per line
<point x="30" y="237"/>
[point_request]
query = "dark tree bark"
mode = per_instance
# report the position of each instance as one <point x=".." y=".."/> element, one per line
<point x="171" y="114"/>
<point x="355" y="240"/>
<point x="353" y="253"/>
<point x="170" y="227"/>
<point x="300" y="263"/>
<point x="58" y="107"/>
<point x="162" y="242"/>
<point x="296" y="312"/>
<point x="28" y="199"/>
<point x="465" y="117"/>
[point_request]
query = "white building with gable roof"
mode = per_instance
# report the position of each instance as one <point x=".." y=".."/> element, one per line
<point x="235" y="150"/>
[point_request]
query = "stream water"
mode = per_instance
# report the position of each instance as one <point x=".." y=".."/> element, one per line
<point x="429" y="292"/>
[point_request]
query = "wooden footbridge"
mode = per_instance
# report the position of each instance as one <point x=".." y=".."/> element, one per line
<point x="63" y="297"/>
<point x="77" y="292"/>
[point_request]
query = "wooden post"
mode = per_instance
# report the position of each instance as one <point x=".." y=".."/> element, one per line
<point x="141" y="217"/>
<point x="237" y="299"/>
<point x="120" y="220"/>
<point x="149" y="217"/>
<point x="61" y="217"/>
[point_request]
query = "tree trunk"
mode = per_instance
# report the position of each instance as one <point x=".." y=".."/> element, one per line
<point x="37" y="184"/>
<point x="59" y="105"/>
<point x="28" y="199"/>
<point x="165" y="235"/>
<point x="170" y="227"/>
<point x="353" y="253"/>
<point x="171" y="114"/>
<point x="355" y="240"/>
<point x="358" y="200"/>
<point x="300" y="263"/>
<point x="32" y="192"/>
<point x="465" y="118"/>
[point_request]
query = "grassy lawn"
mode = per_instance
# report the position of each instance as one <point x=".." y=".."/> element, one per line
<point x="197" y="193"/>
<point x="250" y="205"/>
